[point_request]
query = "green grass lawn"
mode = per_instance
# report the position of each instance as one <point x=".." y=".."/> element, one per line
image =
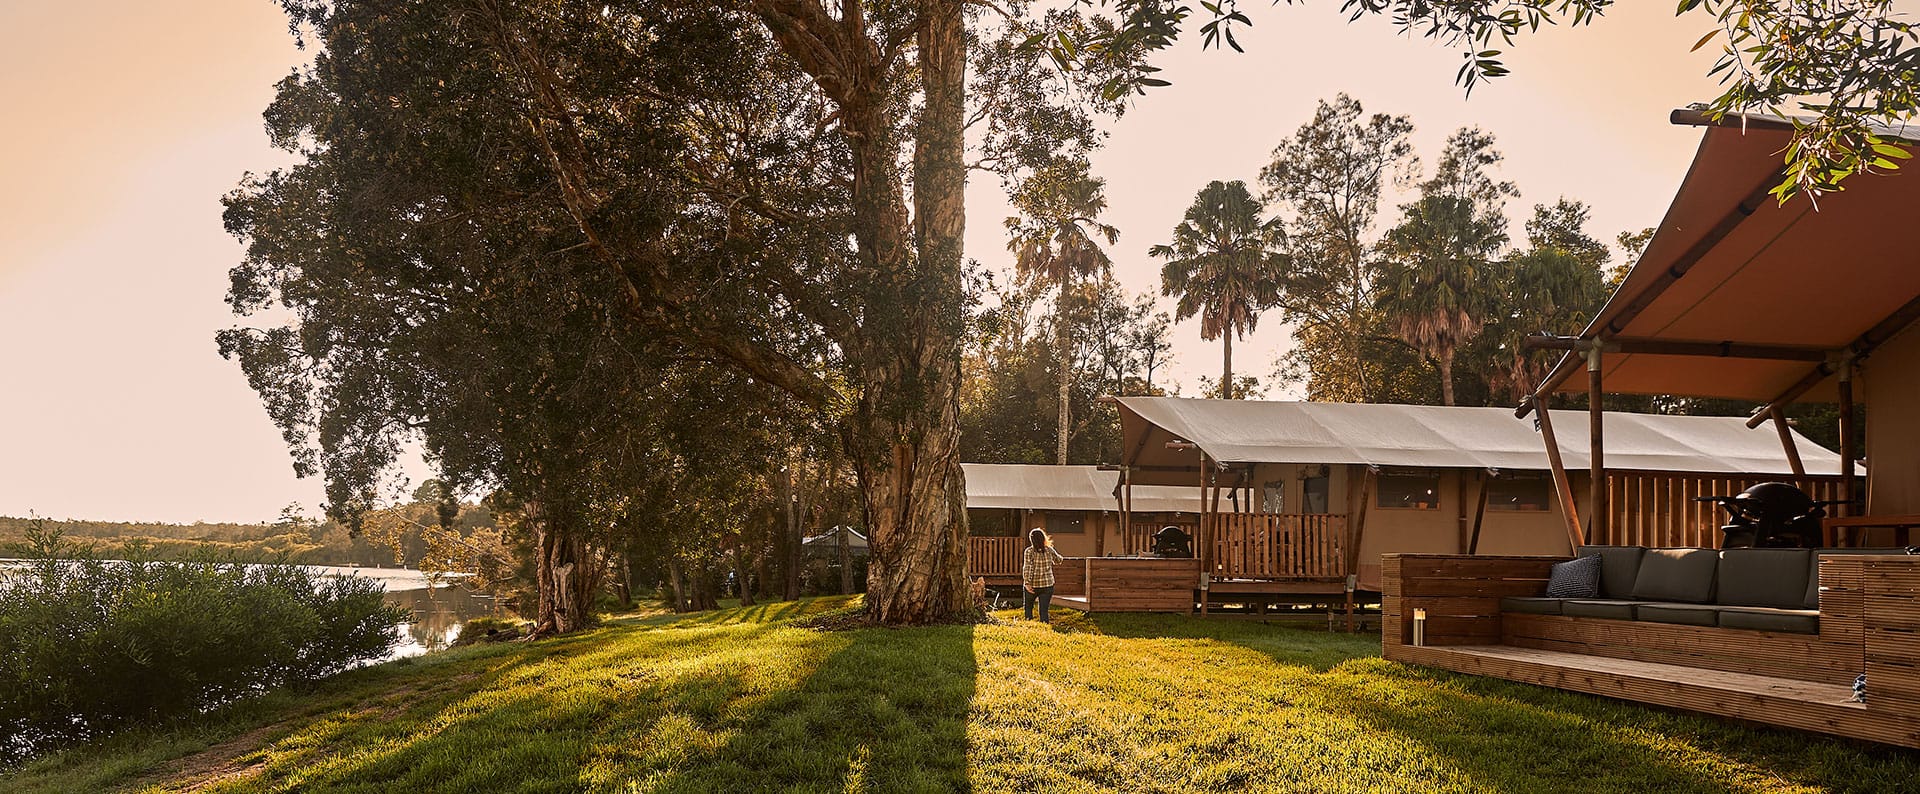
<point x="740" y="700"/>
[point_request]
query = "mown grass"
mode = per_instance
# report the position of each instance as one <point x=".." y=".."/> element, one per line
<point x="740" y="700"/>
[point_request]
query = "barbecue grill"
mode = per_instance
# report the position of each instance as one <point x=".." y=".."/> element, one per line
<point x="1771" y="515"/>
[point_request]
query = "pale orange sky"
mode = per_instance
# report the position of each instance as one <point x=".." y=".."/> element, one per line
<point x="125" y="122"/>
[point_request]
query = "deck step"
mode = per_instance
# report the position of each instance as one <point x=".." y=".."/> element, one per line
<point x="1794" y="703"/>
<point x="1075" y="602"/>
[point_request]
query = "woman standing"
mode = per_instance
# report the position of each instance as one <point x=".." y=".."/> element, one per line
<point x="1036" y="571"/>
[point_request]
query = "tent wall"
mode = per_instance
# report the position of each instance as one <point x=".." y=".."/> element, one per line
<point x="1437" y="530"/>
<point x="1892" y="380"/>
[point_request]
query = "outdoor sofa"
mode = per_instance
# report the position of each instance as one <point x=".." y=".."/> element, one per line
<point x="1758" y="589"/>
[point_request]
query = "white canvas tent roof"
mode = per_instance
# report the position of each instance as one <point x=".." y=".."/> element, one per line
<point x="828" y="542"/>
<point x="1028" y="487"/>
<point x="1247" y="431"/>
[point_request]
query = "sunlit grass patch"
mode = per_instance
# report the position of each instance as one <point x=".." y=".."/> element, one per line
<point x="746" y="700"/>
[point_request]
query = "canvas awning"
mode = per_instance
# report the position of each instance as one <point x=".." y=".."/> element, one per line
<point x="1029" y="487"/>
<point x="1730" y="266"/>
<point x="1248" y="431"/>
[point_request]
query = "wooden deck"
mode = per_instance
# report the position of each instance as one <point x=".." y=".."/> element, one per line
<point x="1787" y="702"/>
<point x="1869" y="622"/>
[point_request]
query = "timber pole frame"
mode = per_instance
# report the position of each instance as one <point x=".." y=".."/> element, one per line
<point x="1756" y="198"/>
<point x="1356" y="532"/>
<point x="1792" y="448"/>
<point x="1561" y="486"/>
<point x="1597" y="507"/>
<point x="1849" y="438"/>
<point x="1848" y="357"/>
<point x="1480" y="512"/>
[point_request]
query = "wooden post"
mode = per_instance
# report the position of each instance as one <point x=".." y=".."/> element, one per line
<point x="1848" y="440"/>
<point x="1786" y="440"/>
<point x="1561" y="487"/>
<point x="1461" y="527"/>
<point x="1126" y="511"/>
<point x="1480" y="513"/>
<point x="1202" y="537"/>
<point x="1356" y="532"/>
<point x="1596" y="450"/>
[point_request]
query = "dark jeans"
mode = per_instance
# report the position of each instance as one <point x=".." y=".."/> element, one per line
<point x="1044" y="595"/>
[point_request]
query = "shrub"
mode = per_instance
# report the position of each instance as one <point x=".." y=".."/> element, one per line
<point x="89" y="646"/>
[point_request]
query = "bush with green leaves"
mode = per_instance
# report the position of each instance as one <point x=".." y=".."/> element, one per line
<point x="90" y="646"/>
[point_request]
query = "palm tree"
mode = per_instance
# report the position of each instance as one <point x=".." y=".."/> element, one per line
<point x="1224" y="265"/>
<point x="1055" y="245"/>
<point x="1432" y="280"/>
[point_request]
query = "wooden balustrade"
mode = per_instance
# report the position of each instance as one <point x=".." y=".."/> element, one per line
<point x="1658" y="509"/>
<point x="1277" y="546"/>
<point x="994" y="556"/>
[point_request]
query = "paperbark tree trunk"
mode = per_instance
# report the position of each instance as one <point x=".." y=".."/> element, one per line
<point x="743" y="570"/>
<point x="843" y="547"/>
<point x="795" y="533"/>
<point x="565" y="572"/>
<point x="903" y="426"/>
<point x="679" y="586"/>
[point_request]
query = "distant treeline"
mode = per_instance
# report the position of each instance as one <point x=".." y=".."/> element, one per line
<point x="292" y="540"/>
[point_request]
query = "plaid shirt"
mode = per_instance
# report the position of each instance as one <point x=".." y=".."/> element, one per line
<point x="1036" y="566"/>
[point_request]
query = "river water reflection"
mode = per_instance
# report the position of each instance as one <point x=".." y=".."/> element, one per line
<point x="438" y="613"/>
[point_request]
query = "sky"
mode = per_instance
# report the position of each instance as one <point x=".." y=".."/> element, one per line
<point x="127" y="121"/>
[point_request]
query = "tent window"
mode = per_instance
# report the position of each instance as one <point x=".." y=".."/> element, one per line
<point x="1520" y="493"/>
<point x="1313" y="495"/>
<point x="1408" y="490"/>
<point x="1066" y="524"/>
<point x="1274" y="497"/>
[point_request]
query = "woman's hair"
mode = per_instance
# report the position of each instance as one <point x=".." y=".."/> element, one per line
<point x="1038" y="538"/>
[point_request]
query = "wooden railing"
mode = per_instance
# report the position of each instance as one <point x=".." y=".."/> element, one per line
<point x="1276" y="546"/>
<point x="1658" y="509"/>
<point x="994" y="556"/>
<point x="1138" y="540"/>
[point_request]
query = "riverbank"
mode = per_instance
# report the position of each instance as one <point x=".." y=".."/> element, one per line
<point x="741" y="699"/>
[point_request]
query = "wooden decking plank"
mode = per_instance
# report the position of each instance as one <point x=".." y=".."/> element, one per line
<point x="1791" y="703"/>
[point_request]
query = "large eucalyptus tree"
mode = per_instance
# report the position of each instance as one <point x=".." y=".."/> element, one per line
<point x="725" y="180"/>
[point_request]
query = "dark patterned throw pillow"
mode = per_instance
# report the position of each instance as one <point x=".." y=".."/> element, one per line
<point x="1578" y="578"/>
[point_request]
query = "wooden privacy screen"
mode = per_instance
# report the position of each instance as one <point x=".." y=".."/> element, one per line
<point x="1277" y="546"/>
<point x="1657" y="509"/>
<point x="994" y="556"/>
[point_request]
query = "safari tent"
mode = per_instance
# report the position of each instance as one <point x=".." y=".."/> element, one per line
<point x="1737" y="296"/>
<point x="1079" y="506"/>
<point x="1365" y="480"/>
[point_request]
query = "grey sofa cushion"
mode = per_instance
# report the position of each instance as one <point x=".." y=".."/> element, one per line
<point x="1575" y="578"/>
<point x="1531" y="606"/>
<point x="1685" y="614"/>
<point x="1763" y="578"/>
<point x="1795" y="621"/>
<point x="1684" y="575"/>
<point x="1597" y="608"/>
<point x="1619" y="565"/>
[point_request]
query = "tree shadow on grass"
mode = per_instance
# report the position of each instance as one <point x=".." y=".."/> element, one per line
<point x="1314" y="649"/>
<point x="699" y="708"/>
<point x="886" y="711"/>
